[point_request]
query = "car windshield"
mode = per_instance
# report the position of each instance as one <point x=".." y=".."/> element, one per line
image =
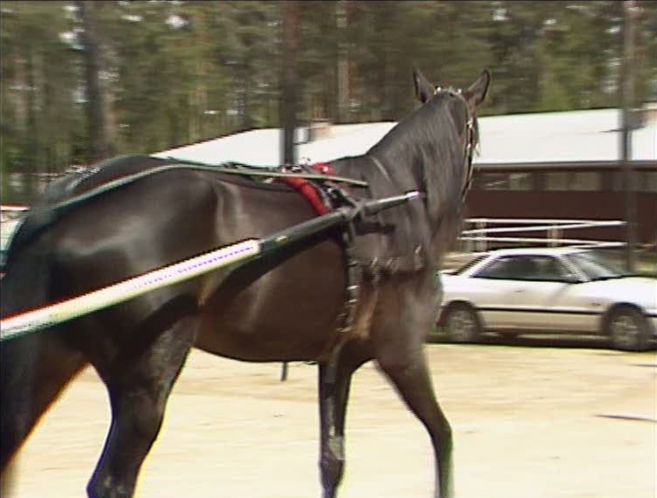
<point x="595" y="266"/>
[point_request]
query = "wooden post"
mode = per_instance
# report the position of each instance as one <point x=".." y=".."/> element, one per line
<point x="630" y="11"/>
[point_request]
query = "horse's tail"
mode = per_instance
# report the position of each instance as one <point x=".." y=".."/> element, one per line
<point x="35" y="366"/>
<point x="22" y="289"/>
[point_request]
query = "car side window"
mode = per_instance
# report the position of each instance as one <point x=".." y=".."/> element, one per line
<point x="501" y="268"/>
<point x="550" y="268"/>
<point x="530" y="268"/>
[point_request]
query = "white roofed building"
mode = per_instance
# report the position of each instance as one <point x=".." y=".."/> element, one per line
<point x="543" y="165"/>
<point x="591" y="135"/>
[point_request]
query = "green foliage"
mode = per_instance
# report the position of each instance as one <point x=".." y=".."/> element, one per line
<point x="181" y="72"/>
<point x="37" y="73"/>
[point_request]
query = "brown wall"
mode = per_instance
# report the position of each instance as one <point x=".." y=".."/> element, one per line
<point x="571" y="205"/>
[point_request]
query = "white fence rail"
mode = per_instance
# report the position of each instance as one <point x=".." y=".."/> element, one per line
<point x="479" y="235"/>
<point x="490" y="231"/>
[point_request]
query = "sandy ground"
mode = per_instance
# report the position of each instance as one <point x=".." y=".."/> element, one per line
<point x="529" y="422"/>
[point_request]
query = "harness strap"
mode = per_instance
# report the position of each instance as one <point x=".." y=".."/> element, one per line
<point x="354" y="281"/>
<point x="326" y="196"/>
<point x="309" y="191"/>
<point x="339" y="196"/>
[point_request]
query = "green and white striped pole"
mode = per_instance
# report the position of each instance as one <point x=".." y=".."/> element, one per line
<point x="64" y="311"/>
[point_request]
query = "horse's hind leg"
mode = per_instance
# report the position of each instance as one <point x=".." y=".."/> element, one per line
<point x="138" y="391"/>
<point x="34" y="371"/>
<point x="334" y="383"/>
<point x="407" y="369"/>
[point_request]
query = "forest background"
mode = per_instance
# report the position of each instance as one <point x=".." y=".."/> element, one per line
<point x="81" y="81"/>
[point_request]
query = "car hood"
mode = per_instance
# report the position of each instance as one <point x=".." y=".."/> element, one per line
<point x="640" y="290"/>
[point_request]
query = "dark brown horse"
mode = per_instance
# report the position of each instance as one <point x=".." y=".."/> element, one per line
<point x="287" y="306"/>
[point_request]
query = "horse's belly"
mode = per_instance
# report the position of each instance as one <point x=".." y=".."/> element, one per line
<point x="282" y="335"/>
<point x="290" y="313"/>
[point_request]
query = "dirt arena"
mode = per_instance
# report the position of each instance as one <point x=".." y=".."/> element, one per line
<point x="529" y="422"/>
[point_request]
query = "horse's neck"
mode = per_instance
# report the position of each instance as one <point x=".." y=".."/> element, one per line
<point x="410" y="164"/>
<point x="402" y="164"/>
<point x="416" y="165"/>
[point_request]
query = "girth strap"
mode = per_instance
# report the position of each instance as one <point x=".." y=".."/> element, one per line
<point x="354" y="282"/>
<point x="335" y="196"/>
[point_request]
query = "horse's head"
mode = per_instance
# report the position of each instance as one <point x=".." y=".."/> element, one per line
<point x="463" y="107"/>
<point x="437" y="142"/>
<point x="473" y="96"/>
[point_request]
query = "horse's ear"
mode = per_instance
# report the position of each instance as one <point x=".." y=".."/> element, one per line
<point x="477" y="92"/>
<point x="424" y="90"/>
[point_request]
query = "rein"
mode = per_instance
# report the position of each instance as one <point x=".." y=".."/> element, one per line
<point x="470" y="136"/>
<point x="126" y="180"/>
<point x="42" y="217"/>
<point x="469" y="153"/>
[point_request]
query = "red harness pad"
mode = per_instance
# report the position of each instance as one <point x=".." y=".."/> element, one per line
<point x="309" y="190"/>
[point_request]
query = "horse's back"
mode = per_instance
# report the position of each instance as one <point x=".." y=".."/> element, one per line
<point x="96" y="175"/>
<point x="258" y="311"/>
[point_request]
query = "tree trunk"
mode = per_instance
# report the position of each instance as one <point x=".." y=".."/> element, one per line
<point x="24" y="112"/>
<point x="289" y="78"/>
<point x="343" y="63"/>
<point x="30" y="141"/>
<point x="99" y="114"/>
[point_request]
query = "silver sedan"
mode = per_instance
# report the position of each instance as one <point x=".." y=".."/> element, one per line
<point x="548" y="290"/>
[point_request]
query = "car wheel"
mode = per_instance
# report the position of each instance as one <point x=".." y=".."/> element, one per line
<point x="628" y="329"/>
<point x="462" y="324"/>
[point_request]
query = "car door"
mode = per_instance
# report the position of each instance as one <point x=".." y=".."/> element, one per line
<point x="547" y="297"/>
<point x="494" y="291"/>
<point x="530" y="292"/>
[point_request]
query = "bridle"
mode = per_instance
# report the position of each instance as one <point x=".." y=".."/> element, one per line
<point x="470" y="137"/>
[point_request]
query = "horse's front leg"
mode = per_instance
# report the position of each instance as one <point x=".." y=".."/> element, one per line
<point x="399" y="350"/>
<point x="139" y="387"/>
<point x="413" y="383"/>
<point x="334" y="382"/>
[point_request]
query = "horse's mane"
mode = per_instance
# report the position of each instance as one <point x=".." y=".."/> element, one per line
<point x="423" y="152"/>
<point x="429" y="138"/>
